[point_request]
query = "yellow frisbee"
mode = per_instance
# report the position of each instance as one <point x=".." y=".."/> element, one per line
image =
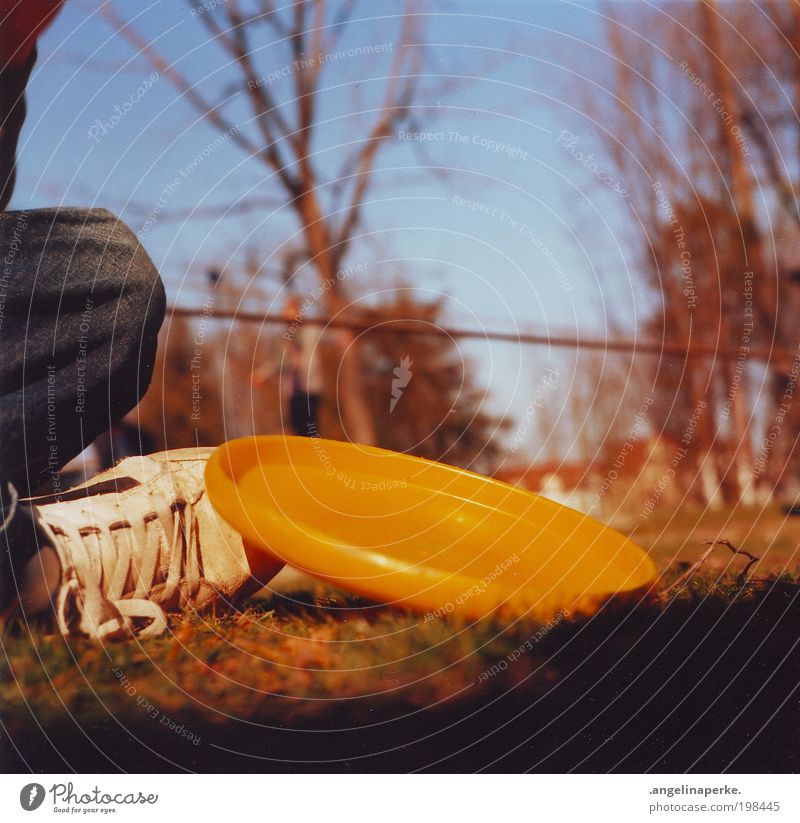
<point x="419" y="534"/>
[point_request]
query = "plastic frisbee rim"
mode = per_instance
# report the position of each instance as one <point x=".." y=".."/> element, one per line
<point x="421" y="587"/>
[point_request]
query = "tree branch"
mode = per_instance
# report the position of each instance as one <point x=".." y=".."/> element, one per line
<point x="397" y="102"/>
<point x="736" y="550"/>
<point x="340" y="23"/>
<point x="304" y="77"/>
<point x="199" y="103"/>
<point x="206" y="212"/>
<point x="266" y="111"/>
<point x="781" y="181"/>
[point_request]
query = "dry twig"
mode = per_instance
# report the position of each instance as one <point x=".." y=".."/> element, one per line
<point x="736" y="550"/>
<point x="692" y="570"/>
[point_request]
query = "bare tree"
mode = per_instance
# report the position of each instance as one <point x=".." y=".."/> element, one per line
<point x="282" y="133"/>
<point x="698" y="116"/>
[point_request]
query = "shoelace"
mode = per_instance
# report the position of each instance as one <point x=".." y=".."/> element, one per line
<point x="100" y="558"/>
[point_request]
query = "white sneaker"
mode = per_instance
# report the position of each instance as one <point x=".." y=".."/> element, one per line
<point x="140" y="540"/>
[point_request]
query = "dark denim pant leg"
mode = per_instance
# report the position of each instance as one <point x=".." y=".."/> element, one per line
<point x="80" y="308"/>
<point x="304" y="413"/>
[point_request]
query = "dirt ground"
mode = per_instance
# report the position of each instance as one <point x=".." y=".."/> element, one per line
<point x="706" y="679"/>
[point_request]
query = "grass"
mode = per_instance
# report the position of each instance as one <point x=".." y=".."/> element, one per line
<point x="706" y="679"/>
<point x="677" y="536"/>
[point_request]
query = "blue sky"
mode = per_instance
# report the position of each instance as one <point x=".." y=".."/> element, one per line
<point x="523" y="236"/>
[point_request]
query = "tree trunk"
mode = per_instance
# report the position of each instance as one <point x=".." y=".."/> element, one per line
<point x="741" y="449"/>
<point x="357" y="420"/>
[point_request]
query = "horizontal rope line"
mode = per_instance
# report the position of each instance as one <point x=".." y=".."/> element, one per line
<point x="389" y="326"/>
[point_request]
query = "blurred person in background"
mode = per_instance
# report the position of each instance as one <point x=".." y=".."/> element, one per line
<point x="299" y="365"/>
